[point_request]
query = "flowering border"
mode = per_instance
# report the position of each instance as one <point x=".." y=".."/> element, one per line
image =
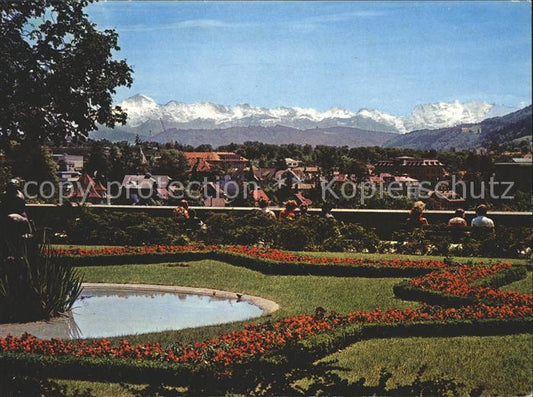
<point x="265" y="260"/>
<point x="468" y="292"/>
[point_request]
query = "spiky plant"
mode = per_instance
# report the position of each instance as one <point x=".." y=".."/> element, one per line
<point x="34" y="285"/>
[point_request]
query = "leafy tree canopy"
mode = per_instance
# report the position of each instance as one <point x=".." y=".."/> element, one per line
<point x="173" y="163"/>
<point x="57" y="72"/>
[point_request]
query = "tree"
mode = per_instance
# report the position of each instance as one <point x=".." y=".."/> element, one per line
<point x="33" y="163"/>
<point x="57" y="73"/>
<point x="172" y="163"/>
<point x="327" y="157"/>
<point x="6" y="172"/>
<point x="98" y="160"/>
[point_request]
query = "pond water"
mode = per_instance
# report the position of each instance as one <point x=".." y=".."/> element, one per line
<point x="114" y="312"/>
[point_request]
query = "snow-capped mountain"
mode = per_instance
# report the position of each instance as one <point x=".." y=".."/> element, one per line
<point x="145" y="116"/>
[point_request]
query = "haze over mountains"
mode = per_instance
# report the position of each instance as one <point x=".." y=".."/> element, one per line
<point x="205" y="122"/>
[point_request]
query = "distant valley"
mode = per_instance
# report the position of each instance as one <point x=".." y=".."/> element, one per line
<point x="335" y="136"/>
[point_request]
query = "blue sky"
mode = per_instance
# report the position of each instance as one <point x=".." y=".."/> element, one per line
<point x="389" y="56"/>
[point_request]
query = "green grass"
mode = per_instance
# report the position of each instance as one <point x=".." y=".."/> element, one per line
<point x="524" y="286"/>
<point x="294" y="294"/>
<point x="500" y="364"/>
<point x="414" y="257"/>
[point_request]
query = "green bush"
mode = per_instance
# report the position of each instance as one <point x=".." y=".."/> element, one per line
<point x="507" y="242"/>
<point x="248" y="229"/>
<point x="353" y="237"/>
<point x="36" y="285"/>
<point x="305" y="233"/>
<point x="114" y="228"/>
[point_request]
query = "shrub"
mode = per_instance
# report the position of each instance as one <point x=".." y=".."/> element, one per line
<point x="248" y="229"/>
<point x="36" y="285"/>
<point x="112" y="228"/>
<point x="353" y="237"/>
<point x="306" y="233"/>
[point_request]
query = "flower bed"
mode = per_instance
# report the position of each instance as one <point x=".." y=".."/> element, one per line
<point x="290" y="257"/>
<point x="478" y="301"/>
<point x="260" y="259"/>
<point x="254" y="252"/>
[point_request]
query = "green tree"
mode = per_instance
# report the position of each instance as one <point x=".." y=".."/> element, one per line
<point x="57" y="72"/>
<point x="98" y="160"/>
<point x="172" y="163"/>
<point x="34" y="163"/>
<point x="327" y="157"/>
<point x="5" y="170"/>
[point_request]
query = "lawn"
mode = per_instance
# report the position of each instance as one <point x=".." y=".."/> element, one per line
<point x="294" y="294"/>
<point x="498" y="364"/>
<point x="416" y="257"/>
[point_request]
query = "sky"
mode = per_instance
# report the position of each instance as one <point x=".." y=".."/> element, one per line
<point x="389" y="56"/>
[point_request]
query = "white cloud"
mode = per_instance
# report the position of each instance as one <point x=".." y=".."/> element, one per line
<point x="304" y="23"/>
<point x="187" y="24"/>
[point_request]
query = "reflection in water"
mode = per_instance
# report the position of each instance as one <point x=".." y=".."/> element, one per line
<point x="105" y="313"/>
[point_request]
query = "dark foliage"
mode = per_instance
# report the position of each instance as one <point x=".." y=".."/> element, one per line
<point x="506" y="242"/>
<point x="35" y="285"/>
<point x="57" y="73"/>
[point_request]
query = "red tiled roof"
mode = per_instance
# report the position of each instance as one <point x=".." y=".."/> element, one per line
<point x="214" y="202"/>
<point x="259" y="194"/>
<point x="85" y="187"/>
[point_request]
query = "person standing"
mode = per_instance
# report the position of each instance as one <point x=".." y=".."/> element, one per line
<point x="181" y="212"/>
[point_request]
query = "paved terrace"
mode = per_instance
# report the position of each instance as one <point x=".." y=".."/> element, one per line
<point x="384" y="221"/>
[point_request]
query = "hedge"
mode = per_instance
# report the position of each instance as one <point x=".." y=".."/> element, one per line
<point x="312" y="233"/>
<point x="310" y="349"/>
<point x="262" y="265"/>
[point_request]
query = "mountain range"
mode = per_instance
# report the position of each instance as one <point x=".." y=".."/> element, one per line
<point x="145" y="116"/>
<point x="205" y="122"/>
<point x="508" y="128"/>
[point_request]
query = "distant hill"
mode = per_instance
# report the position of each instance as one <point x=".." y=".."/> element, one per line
<point x="507" y="128"/>
<point x="334" y="136"/>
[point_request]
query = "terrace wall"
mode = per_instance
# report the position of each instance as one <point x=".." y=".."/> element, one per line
<point x="384" y="221"/>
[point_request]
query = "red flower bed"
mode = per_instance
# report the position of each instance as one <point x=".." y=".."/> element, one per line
<point x="458" y="281"/>
<point x="255" y="252"/>
<point x="253" y="340"/>
<point x="287" y="256"/>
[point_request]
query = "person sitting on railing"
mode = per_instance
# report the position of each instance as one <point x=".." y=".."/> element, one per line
<point x="289" y="212"/>
<point x="458" y="221"/>
<point x="415" y="218"/>
<point x="181" y="212"/>
<point x="481" y="224"/>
